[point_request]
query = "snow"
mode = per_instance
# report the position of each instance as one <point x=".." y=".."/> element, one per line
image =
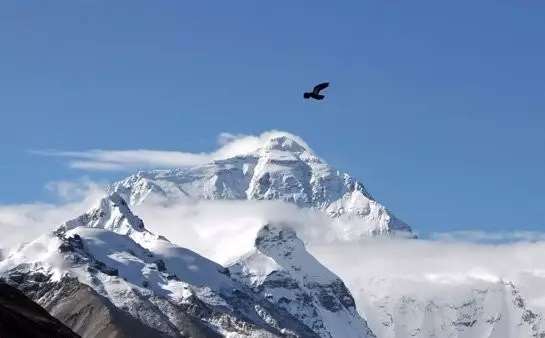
<point x="257" y="267"/>
<point x="191" y="267"/>
<point x="117" y="237"/>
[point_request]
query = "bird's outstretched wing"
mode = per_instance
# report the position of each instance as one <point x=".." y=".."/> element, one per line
<point x="320" y="87"/>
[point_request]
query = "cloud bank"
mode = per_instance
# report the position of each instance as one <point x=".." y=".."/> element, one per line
<point x="425" y="270"/>
<point x="225" y="230"/>
<point x="229" y="145"/>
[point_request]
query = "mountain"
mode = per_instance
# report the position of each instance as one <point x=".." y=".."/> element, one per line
<point x="282" y="271"/>
<point x="477" y="309"/>
<point x="21" y="317"/>
<point x="104" y="274"/>
<point x="281" y="168"/>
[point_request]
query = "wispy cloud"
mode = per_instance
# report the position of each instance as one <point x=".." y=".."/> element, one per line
<point x="120" y="160"/>
<point x="128" y="160"/>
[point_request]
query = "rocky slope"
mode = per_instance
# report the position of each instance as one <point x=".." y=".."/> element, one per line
<point x="78" y="306"/>
<point x="282" y="168"/>
<point x="21" y="317"/>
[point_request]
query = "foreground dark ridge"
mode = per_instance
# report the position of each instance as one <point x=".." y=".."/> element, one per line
<point x="21" y="317"/>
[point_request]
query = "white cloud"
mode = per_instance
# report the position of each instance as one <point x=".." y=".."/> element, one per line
<point x="126" y="160"/>
<point x="24" y="222"/>
<point x="224" y="230"/>
<point x="75" y="191"/>
<point x="120" y="160"/>
<point x="434" y="269"/>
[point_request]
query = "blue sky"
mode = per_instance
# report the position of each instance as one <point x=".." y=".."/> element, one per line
<point x="439" y="108"/>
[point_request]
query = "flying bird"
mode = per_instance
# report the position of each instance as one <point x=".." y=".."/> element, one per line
<point x="315" y="94"/>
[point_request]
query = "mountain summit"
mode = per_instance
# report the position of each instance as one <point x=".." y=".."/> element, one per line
<point x="282" y="167"/>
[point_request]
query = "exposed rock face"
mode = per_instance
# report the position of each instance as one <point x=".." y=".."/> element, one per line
<point x="21" y="317"/>
<point x="282" y="271"/>
<point x="78" y="306"/>
<point x="280" y="169"/>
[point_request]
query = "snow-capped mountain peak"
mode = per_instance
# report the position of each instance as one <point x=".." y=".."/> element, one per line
<point x="282" y="167"/>
<point x="282" y="245"/>
<point x="114" y="214"/>
<point x="281" y="270"/>
<point x="278" y="241"/>
<point x="110" y="213"/>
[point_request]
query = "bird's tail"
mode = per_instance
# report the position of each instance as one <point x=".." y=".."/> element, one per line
<point x="306" y="95"/>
